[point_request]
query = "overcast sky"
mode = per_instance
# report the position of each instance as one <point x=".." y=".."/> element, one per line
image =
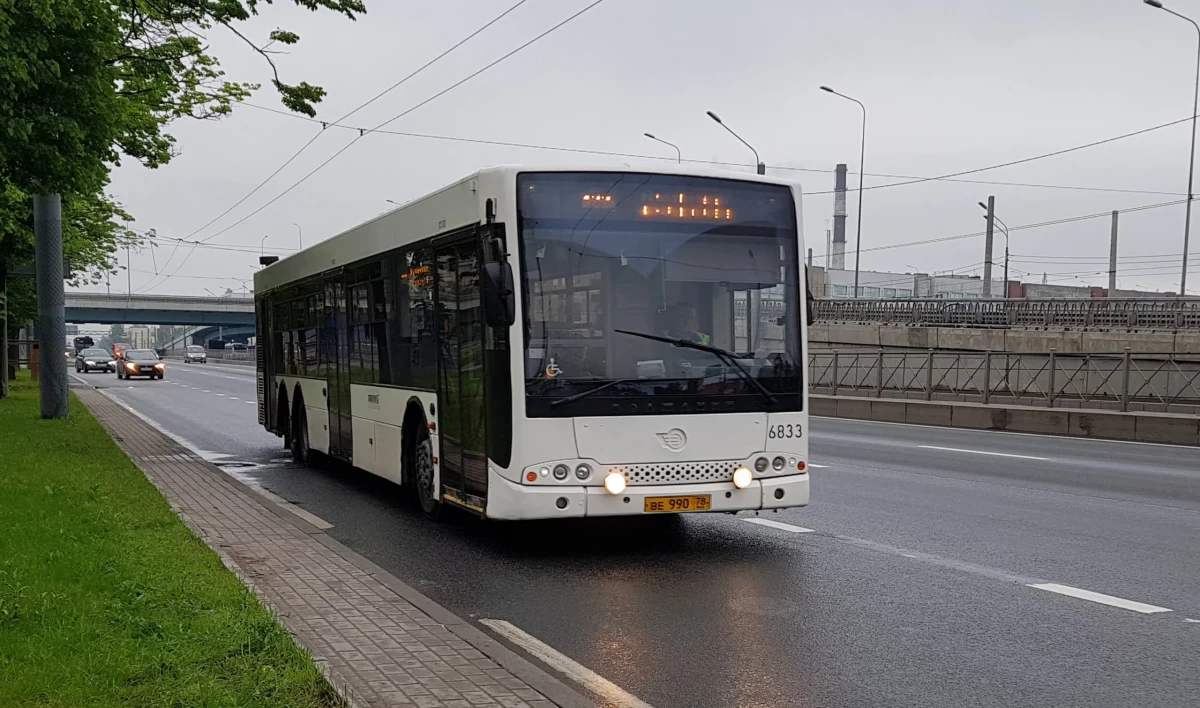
<point x="950" y="86"/>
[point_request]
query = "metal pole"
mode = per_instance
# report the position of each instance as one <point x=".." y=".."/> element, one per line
<point x="1112" y="258"/>
<point x="987" y="247"/>
<point x="1125" y="382"/>
<point x="1187" y="224"/>
<point x="987" y="376"/>
<point x="299" y="235"/>
<point x="1051" y="390"/>
<point x="879" y="376"/>
<point x="862" y="157"/>
<point x="835" y="373"/>
<point x="929" y="377"/>
<point x="52" y="326"/>
<point x="128" y="276"/>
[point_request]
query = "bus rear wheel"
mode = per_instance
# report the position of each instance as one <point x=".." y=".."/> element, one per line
<point x="424" y="475"/>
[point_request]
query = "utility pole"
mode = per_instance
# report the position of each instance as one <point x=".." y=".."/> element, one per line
<point x="1112" y="258"/>
<point x="987" y="248"/>
<point x="128" y="276"/>
<point x="51" y="326"/>
<point x="3" y="330"/>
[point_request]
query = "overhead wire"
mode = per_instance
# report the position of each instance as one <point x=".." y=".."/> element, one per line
<point x="398" y="116"/>
<point x="719" y="163"/>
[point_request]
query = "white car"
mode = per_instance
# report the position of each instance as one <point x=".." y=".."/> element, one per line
<point x="195" y="354"/>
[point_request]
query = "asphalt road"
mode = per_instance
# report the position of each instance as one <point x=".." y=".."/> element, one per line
<point x="907" y="582"/>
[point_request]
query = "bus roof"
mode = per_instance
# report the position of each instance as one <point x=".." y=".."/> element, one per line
<point x="444" y="210"/>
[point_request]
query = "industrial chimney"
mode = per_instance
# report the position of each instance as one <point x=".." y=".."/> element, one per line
<point x="837" y="260"/>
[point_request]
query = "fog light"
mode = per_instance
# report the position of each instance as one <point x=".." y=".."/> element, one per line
<point x="614" y="482"/>
<point x="742" y="477"/>
<point x="582" y="472"/>
<point x="761" y="464"/>
<point x="545" y="471"/>
<point x="561" y="472"/>
<point x="778" y="463"/>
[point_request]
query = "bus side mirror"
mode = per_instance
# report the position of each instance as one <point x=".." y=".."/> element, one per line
<point x="499" y="295"/>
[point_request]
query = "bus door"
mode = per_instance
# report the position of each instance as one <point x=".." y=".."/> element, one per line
<point x="460" y="326"/>
<point x="336" y="351"/>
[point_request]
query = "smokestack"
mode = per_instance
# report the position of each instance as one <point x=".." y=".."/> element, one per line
<point x="837" y="260"/>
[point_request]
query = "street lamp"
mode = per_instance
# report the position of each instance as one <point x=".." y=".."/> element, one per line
<point x="862" y="157"/>
<point x="1187" y="224"/>
<point x="299" y="235"/>
<point x="678" y="154"/>
<point x="1004" y="229"/>
<point x="262" y="246"/>
<point x="762" y="168"/>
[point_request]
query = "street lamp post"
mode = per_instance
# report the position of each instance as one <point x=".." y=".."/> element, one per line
<point x="299" y="235"/>
<point x="762" y="168"/>
<point x="678" y="154"/>
<point x="1187" y="224"/>
<point x="262" y="246"/>
<point x="1004" y="230"/>
<point x="862" y="157"/>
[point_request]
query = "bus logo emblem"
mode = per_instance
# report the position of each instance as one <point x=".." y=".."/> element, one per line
<point x="674" y="439"/>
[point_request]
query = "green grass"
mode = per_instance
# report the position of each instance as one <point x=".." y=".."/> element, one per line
<point x="107" y="599"/>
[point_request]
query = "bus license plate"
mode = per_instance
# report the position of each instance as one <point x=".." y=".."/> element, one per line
<point x="671" y="505"/>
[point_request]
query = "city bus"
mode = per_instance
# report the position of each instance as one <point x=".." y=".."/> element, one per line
<point x="533" y="343"/>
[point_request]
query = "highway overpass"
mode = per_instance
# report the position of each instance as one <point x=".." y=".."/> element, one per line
<point x="159" y="310"/>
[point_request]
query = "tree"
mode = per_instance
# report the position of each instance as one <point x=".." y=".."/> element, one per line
<point x="85" y="82"/>
<point x="116" y="333"/>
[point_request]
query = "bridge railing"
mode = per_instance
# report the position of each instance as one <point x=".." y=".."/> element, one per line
<point x="1153" y="314"/>
<point x="1127" y="381"/>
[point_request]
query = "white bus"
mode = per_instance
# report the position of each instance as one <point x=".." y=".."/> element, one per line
<point x="534" y="343"/>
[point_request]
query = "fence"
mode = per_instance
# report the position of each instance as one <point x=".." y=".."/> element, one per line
<point x="1128" y="381"/>
<point x="1154" y="314"/>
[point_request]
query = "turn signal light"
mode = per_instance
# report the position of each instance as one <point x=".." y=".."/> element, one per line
<point x="801" y="466"/>
<point x="531" y="476"/>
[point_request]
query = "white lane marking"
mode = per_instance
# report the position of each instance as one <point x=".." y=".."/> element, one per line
<point x="820" y="467"/>
<point x="612" y="694"/>
<point x="982" y="452"/>
<point x="234" y="398"/>
<point x="1189" y="619"/>
<point x="207" y="391"/>
<point x="778" y="525"/>
<point x="219" y="394"/>
<point x="250" y="402"/>
<point x="1100" y="598"/>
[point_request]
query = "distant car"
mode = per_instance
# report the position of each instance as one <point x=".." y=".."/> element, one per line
<point x="140" y="362"/>
<point x="118" y="349"/>
<point x="195" y="354"/>
<point x="94" y="359"/>
<point x="237" y="347"/>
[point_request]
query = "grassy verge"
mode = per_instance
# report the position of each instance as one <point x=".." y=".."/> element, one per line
<point x="107" y="599"/>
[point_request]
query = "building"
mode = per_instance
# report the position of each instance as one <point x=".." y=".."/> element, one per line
<point x="874" y="284"/>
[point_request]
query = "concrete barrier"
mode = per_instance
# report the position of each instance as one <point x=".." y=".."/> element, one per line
<point x="1175" y="429"/>
<point x="835" y="335"/>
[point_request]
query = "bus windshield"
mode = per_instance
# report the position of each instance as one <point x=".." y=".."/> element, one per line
<point x="619" y="269"/>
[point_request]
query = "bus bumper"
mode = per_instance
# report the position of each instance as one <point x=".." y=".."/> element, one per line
<point x="511" y="501"/>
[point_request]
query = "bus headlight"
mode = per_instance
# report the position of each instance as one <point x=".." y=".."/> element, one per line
<point x="614" y="482"/>
<point x="561" y="472"/>
<point x="777" y="463"/>
<point x="742" y="477"/>
<point x="761" y="464"/>
<point x="582" y="472"/>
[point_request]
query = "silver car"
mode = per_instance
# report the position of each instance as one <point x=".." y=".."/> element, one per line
<point x="94" y="359"/>
<point x="194" y="353"/>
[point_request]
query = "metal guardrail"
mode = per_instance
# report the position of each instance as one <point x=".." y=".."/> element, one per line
<point x="1153" y="314"/>
<point x="1128" y="381"/>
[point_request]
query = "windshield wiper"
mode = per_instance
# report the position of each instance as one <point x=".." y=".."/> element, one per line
<point x="585" y="394"/>
<point x="723" y="354"/>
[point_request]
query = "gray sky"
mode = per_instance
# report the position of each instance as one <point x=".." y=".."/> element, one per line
<point x="949" y="87"/>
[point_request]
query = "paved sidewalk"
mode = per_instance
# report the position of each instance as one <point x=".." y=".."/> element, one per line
<point x="380" y="642"/>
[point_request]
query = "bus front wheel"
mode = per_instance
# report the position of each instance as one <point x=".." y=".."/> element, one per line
<point x="424" y="477"/>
